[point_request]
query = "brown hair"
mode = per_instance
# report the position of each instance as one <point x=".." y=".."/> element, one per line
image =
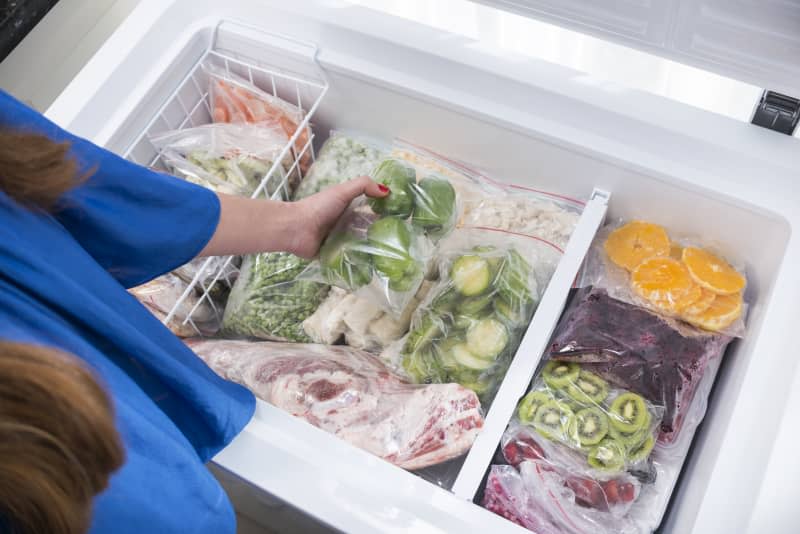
<point x="34" y="170"/>
<point x="58" y="443"/>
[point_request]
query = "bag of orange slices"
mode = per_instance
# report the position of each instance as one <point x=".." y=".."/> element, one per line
<point x="641" y="263"/>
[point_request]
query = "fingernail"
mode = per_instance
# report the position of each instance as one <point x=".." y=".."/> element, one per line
<point x="383" y="188"/>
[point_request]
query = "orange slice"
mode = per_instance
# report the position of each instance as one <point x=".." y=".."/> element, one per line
<point x="664" y="282"/>
<point x="712" y="272"/>
<point x="629" y="245"/>
<point x="675" y="251"/>
<point x="723" y="311"/>
<point x="700" y="304"/>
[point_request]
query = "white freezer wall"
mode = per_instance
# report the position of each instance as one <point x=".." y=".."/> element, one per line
<point x="689" y="169"/>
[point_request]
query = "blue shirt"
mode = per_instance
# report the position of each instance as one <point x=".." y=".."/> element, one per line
<point x="63" y="280"/>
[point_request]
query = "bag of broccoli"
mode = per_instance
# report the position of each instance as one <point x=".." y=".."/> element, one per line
<point x="469" y="327"/>
<point x="342" y="157"/>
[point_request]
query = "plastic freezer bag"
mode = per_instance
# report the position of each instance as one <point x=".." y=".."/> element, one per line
<point x="236" y="100"/>
<point x="227" y="158"/>
<point x="473" y="319"/>
<point x="683" y="278"/>
<point x="661" y="359"/>
<point x="352" y="395"/>
<point x="218" y="277"/>
<point x="384" y="245"/>
<point x="160" y="295"/>
<point x="267" y="301"/>
<point x="360" y="321"/>
<point x="583" y="421"/>
<point x="489" y="203"/>
<point x="342" y="157"/>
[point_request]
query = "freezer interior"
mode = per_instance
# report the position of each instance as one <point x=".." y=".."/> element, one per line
<point x="497" y="125"/>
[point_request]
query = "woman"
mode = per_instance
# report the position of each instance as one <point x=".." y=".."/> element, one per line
<point x="79" y="225"/>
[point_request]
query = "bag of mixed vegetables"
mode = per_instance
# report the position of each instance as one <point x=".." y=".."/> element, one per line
<point x="382" y="247"/>
<point x="269" y="301"/>
<point x="473" y="319"/>
<point x="227" y="158"/>
<point x="236" y="100"/>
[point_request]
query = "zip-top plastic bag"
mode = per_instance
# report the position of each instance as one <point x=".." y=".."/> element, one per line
<point x="583" y="421"/>
<point x="361" y="322"/>
<point x="160" y="295"/>
<point x="267" y="301"/>
<point x="227" y="158"/>
<point x="383" y="245"/>
<point x="236" y="100"/>
<point x="659" y="358"/>
<point x="640" y="263"/>
<point x="218" y="286"/>
<point x="470" y="325"/>
<point x="351" y="394"/>
<point x="270" y="302"/>
<point x="343" y="156"/>
<point x="494" y="204"/>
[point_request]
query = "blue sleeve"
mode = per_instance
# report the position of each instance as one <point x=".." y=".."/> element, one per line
<point x="136" y="223"/>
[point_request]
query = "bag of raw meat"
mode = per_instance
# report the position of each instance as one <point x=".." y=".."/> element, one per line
<point x="640" y="263"/>
<point x="354" y="396"/>
<point x="236" y="100"/>
<point x="343" y="156"/>
<point x="662" y="359"/>
<point x="227" y="158"/>
<point x="162" y="293"/>
<point x="470" y="325"/>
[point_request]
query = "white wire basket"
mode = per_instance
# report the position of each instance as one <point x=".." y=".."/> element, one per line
<point x="189" y="105"/>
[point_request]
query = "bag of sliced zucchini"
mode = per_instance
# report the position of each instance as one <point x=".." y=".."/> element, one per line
<point x="470" y="325"/>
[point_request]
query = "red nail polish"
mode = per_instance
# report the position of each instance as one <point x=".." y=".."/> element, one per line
<point x="383" y="188"/>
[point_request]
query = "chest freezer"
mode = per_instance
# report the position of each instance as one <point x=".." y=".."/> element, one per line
<point x="628" y="153"/>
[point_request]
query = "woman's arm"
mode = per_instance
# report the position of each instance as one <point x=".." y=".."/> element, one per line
<point x="250" y="225"/>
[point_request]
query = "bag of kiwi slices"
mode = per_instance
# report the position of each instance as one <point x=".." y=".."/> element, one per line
<point x="610" y="430"/>
<point x="468" y="328"/>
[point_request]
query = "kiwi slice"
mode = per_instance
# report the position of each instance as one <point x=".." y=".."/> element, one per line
<point x="558" y="375"/>
<point x="608" y="455"/>
<point x="553" y="419"/>
<point x="631" y="440"/>
<point x="628" y="413"/>
<point x="641" y="451"/>
<point x="588" y="388"/>
<point x="530" y="403"/>
<point x="589" y="427"/>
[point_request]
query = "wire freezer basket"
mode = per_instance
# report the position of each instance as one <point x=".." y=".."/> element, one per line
<point x="189" y="106"/>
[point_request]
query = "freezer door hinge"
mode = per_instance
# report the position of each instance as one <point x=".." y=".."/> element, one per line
<point x="777" y="112"/>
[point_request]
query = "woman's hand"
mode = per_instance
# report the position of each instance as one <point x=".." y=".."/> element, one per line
<point x="318" y="213"/>
<point x="248" y="225"/>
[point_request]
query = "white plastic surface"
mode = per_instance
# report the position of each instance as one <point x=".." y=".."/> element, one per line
<point x="527" y="122"/>
<point x="755" y="41"/>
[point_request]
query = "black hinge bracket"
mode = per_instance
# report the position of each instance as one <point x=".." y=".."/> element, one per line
<point x="777" y="112"/>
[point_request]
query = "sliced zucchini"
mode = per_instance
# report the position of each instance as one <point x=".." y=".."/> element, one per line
<point x="487" y="338"/>
<point x="473" y="306"/>
<point x="471" y="275"/>
<point x="463" y="356"/>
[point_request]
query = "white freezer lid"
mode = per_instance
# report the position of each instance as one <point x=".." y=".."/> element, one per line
<point x="754" y="41"/>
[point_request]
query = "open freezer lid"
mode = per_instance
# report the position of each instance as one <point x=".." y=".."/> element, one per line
<point x="754" y="41"/>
